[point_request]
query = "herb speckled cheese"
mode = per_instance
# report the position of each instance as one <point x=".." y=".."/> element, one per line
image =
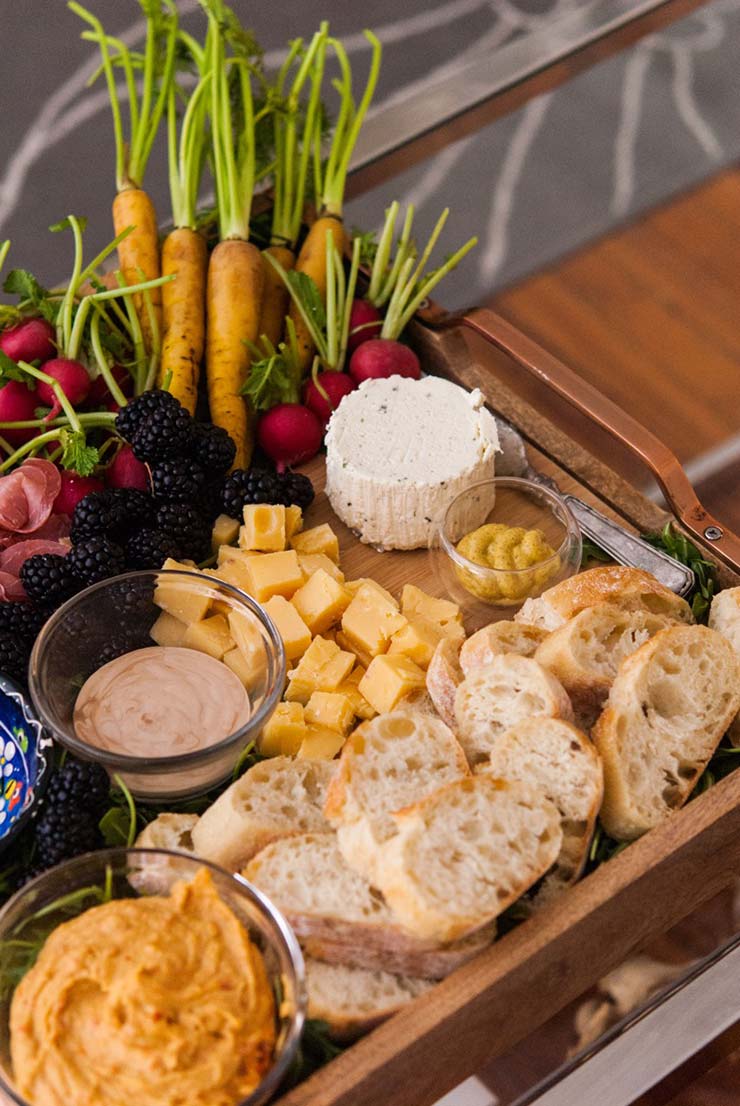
<point x="399" y="450"/>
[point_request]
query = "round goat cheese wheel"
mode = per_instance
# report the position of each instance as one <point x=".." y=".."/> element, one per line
<point x="399" y="450"/>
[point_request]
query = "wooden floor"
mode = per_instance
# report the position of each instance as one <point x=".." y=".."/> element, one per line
<point x="651" y="315"/>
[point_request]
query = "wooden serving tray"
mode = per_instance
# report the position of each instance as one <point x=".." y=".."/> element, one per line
<point x="495" y="1001"/>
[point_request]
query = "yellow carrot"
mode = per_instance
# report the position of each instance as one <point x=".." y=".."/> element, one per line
<point x="275" y="299"/>
<point x="312" y="261"/>
<point x="138" y="253"/>
<point x="184" y="253"/>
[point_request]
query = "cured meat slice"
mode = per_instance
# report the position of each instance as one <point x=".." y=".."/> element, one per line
<point x="27" y="496"/>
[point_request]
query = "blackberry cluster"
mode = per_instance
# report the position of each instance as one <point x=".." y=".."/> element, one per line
<point x="156" y="425"/>
<point x="73" y="805"/>
<point x="178" y="480"/>
<point x="21" y="620"/>
<point x="48" y="580"/>
<point x="96" y="559"/>
<point x="297" y="489"/>
<point x="242" y="487"/>
<point x="212" y="448"/>
<point x="188" y="528"/>
<point x="110" y="513"/>
<point x="149" y="548"/>
<point x="14" y="656"/>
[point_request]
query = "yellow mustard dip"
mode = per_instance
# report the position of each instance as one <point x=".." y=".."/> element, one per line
<point x="506" y="548"/>
<point x="153" y="1001"/>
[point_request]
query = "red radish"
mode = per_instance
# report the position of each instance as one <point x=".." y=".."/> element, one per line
<point x="127" y="471"/>
<point x="289" y="434"/>
<point x="336" y="386"/>
<point x="74" y="488"/>
<point x="382" y="357"/>
<point x="17" y="404"/>
<point x="99" y="394"/>
<point x="363" y="313"/>
<point x="30" y="340"/>
<point x="72" y="377"/>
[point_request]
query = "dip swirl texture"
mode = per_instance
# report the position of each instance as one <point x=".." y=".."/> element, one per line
<point x="160" y="1001"/>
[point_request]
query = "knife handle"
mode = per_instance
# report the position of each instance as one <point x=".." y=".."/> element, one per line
<point x="629" y="549"/>
<point x="587" y="399"/>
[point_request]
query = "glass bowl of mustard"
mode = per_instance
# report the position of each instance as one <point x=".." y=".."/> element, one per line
<point x="501" y="542"/>
<point x="146" y="976"/>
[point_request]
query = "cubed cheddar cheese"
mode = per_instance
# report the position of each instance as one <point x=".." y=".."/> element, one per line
<point x="233" y="572"/>
<point x="274" y="574"/>
<point x="293" y="520"/>
<point x="344" y="642"/>
<point x="415" y="601"/>
<point x="183" y="599"/>
<point x="247" y="638"/>
<point x="168" y="630"/>
<point x="417" y="640"/>
<point x="321" y="601"/>
<point x="370" y="621"/>
<point x="225" y="531"/>
<point x="358" y="702"/>
<point x="389" y="679"/>
<point x="320" y="743"/>
<point x="355" y="585"/>
<point x="249" y="669"/>
<point x="319" y="539"/>
<point x="264" y="528"/>
<point x="211" y="636"/>
<point x="332" y="709"/>
<point x="284" y="731"/>
<point x="229" y="553"/>
<point x="312" y="562"/>
<point x="291" y="627"/>
<point x="323" y="667"/>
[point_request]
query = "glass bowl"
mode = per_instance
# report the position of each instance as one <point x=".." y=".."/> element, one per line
<point x="77" y="885"/>
<point x="487" y="594"/>
<point x="115" y="618"/>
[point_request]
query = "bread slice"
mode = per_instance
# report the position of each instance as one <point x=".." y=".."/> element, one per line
<point x="465" y="853"/>
<point x="339" y="917"/>
<point x="724" y="617"/>
<point x="629" y="588"/>
<point x="387" y="763"/>
<point x="561" y="761"/>
<point x="169" y="831"/>
<point x="443" y="679"/>
<point x="494" y="698"/>
<point x="585" y="653"/>
<point x="353" y="1001"/>
<point x="275" y="798"/>
<point x="500" y="637"/>
<point x="668" y="709"/>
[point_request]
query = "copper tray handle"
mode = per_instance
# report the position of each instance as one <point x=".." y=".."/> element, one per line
<point x="608" y="415"/>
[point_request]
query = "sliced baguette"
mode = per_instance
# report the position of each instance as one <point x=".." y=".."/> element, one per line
<point x="669" y="706"/>
<point x="465" y="853"/>
<point x="724" y="617"/>
<point x="500" y="637"/>
<point x="560" y="760"/>
<point x="275" y="798"/>
<point x="169" y="831"/>
<point x="629" y="588"/>
<point x="443" y="679"/>
<point x="388" y="763"/>
<point x="353" y="1001"/>
<point x="338" y="916"/>
<point x="495" y="697"/>
<point x="585" y="653"/>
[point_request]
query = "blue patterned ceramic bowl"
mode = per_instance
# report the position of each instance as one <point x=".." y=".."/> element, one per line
<point x="25" y="760"/>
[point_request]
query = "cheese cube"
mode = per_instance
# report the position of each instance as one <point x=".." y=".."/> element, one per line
<point x="168" y="630"/>
<point x="370" y="621"/>
<point x="417" y="640"/>
<point x="284" y="731"/>
<point x="232" y="572"/>
<point x="331" y="709"/>
<point x="344" y="642"/>
<point x="225" y="531"/>
<point x="416" y="601"/>
<point x="247" y="638"/>
<point x="229" y="553"/>
<point x="351" y="689"/>
<point x="320" y="539"/>
<point x="274" y="574"/>
<point x="264" y="528"/>
<point x="210" y="636"/>
<point x="320" y="743"/>
<point x="312" y="562"/>
<point x="355" y="585"/>
<point x="293" y="520"/>
<point x="248" y="669"/>
<point x="323" y="667"/>
<point x="184" y="599"/>
<point x="321" y="601"/>
<point x="291" y="627"/>
<point x="389" y="679"/>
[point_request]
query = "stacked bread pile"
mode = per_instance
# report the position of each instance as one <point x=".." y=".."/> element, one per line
<point x="392" y="863"/>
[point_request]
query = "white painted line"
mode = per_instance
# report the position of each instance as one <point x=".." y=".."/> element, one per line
<point x="470" y="1093"/>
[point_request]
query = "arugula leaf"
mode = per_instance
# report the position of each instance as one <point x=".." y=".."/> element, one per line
<point x="9" y="370"/>
<point x="678" y="546"/>
<point x="305" y="289"/>
<point x="115" y="826"/>
<point x="64" y="224"/>
<point x="270" y="381"/>
<point x="77" y="455"/>
<point x="593" y="552"/>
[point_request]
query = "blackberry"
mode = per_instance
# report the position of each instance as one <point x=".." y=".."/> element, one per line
<point x="14" y="655"/>
<point x="81" y="784"/>
<point x="22" y="620"/>
<point x="188" y="528"/>
<point x="62" y="832"/>
<point x="133" y="600"/>
<point x="178" y="480"/>
<point x="167" y="432"/>
<point x="112" y="650"/>
<point x="110" y="513"/>
<point x="256" y="486"/>
<point x="131" y="507"/>
<point x="130" y="418"/>
<point x="149" y="548"/>
<point x="297" y="489"/>
<point x="48" y="579"/>
<point x="213" y="448"/>
<point x="96" y="559"/>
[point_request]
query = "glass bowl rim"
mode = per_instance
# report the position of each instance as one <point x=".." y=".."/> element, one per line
<point x="276" y="918"/>
<point x="572" y="529"/>
<point x="152" y="765"/>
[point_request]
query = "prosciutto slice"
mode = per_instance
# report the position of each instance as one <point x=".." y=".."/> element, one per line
<point x="27" y="496"/>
